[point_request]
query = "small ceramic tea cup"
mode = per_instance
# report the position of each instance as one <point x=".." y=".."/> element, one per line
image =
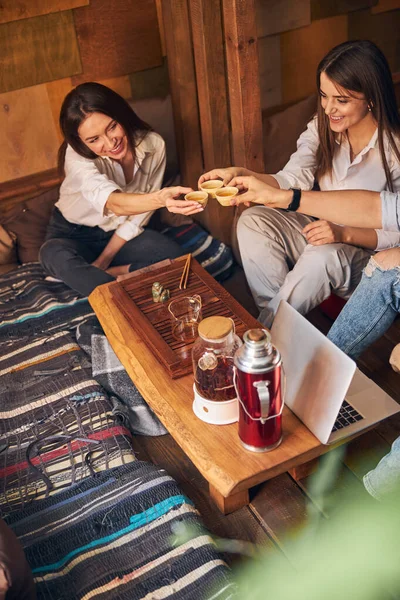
<point x="211" y="186"/>
<point x="200" y="197"/>
<point x="185" y="316"/>
<point x="225" y="194"/>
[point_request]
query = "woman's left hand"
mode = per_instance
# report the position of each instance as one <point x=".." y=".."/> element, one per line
<point x="183" y="207"/>
<point x="321" y="232"/>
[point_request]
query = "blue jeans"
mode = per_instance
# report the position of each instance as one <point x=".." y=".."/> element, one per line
<point x="386" y="475"/>
<point x="367" y="315"/>
<point x="370" y="311"/>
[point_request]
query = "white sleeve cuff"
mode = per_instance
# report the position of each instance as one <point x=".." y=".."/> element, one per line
<point x="133" y="226"/>
<point x="390" y="211"/>
<point x="303" y="180"/>
<point x="387" y="239"/>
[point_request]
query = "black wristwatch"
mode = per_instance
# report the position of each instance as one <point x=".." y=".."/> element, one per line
<point x="295" y="203"/>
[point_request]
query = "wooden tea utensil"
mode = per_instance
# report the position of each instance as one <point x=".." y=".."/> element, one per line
<point x="185" y="273"/>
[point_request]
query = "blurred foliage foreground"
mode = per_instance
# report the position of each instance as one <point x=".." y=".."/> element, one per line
<point x="354" y="554"/>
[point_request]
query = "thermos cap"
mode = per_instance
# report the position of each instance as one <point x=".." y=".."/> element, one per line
<point x="215" y="328"/>
<point x="257" y="355"/>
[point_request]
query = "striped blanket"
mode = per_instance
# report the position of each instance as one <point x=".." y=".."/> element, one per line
<point x="56" y="422"/>
<point x="112" y="537"/>
<point x="102" y="524"/>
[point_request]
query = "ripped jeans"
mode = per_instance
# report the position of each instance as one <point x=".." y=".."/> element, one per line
<point x="370" y="311"/>
<point x="367" y="315"/>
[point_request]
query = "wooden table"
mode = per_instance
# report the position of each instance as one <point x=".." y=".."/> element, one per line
<point x="215" y="450"/>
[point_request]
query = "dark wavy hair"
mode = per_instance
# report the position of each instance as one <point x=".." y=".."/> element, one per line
<point x="92" y="97"/>
<point x="361" y="67"/>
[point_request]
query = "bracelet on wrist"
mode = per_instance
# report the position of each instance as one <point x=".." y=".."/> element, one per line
<point x="295" y="203"/>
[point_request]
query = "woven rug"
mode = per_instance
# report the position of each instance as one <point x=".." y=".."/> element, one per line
<point x="56" y="421"/>
<point x="112" y="536"/>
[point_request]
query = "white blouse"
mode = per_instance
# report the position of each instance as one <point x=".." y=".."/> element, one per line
<point x="365" y="172"/>
<point x="88" y="184"/>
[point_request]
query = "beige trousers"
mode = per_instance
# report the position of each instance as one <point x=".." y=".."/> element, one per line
<point x="279" y="264"/>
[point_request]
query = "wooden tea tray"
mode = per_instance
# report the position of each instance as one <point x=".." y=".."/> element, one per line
<point x="152" y="321"/>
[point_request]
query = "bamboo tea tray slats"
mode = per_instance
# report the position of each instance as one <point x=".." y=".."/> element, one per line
<point x="152" y="321"/>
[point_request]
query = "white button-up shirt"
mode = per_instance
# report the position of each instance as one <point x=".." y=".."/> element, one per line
<point x="365" y="172"/>
<point x="88" y="184"/>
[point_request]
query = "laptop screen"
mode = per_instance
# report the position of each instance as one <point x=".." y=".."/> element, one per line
<point x="318" y="374"/>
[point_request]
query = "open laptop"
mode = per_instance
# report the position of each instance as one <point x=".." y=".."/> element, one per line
<point x="324" y="387"/>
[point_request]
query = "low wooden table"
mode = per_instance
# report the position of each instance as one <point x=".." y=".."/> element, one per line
<point x="215" y="450"/>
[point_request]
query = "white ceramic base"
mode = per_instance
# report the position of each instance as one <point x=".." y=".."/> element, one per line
<point x="215" y="413"/>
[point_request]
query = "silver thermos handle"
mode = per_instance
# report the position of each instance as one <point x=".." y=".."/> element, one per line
<point x="264" y="397"/>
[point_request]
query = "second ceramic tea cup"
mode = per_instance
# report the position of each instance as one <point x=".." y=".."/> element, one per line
<point x="225" y="194"/>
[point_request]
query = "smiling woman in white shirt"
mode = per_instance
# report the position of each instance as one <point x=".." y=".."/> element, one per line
<point x="114" y="166"/>
<point x="352" y="143"/>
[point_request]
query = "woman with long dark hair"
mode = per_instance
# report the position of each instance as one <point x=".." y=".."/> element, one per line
<point x="352" y="143"/>
<point x="113" y="165"/>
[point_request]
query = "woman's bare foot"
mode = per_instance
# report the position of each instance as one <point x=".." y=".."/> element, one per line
<point x="115" y="271"/>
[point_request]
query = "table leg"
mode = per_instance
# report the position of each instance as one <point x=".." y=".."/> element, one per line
<point x="230" y="503"/>
<point x="304" y="470"/>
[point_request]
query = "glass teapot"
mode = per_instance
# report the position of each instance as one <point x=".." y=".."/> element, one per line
<point x="212" y="357"/>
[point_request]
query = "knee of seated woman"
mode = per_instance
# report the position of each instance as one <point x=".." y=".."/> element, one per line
<point x="48" y="253"/>
<point x="255" y="219"/>
<point x="386" y="260"/>
<point x="322" y="255"/>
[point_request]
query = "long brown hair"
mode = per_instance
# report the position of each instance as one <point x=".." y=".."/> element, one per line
<point x="359" y="66"/>
<point x="92" y="97"/>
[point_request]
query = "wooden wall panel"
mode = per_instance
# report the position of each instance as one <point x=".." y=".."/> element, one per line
<point x="243" y="83"/>
<point x="56" y="92"/>
<point x="383" y="29"/>
<point x="302" y="50"/>
<point x="206" y="21"/>
<point x="13" y="10"/>
<point x="275" y="16"/>
<point x="121" y="85"/>
<point x="37" y="50"/>
<point x="385" y="5"/>
<point x="332" y="8"/>
<point x="29" y="140"/>
<point x="131" y="44"/>
<point x="209" y="57"/>
<point x="269" y="52"/>
<point x="183" y="89"/>
<point x="151" y="83"/>
<point x="161" y="26"/>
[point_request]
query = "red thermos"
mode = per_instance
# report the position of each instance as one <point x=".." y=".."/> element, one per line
<point x="258" y="380"/>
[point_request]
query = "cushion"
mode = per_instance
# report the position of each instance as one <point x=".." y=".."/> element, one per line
<point x="213" y="255"/>
<point x="282" y="130"/>
<point x="28" y="222"/>
<point x="8" y="252"/>
<point x="157" y="112"/>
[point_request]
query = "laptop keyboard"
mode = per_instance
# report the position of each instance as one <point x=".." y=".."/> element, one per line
<point x="347" y="415"/>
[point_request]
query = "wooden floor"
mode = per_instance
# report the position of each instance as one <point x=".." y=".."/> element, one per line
<point x="279" y="506"/>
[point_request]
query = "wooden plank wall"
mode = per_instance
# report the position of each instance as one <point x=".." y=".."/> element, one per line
<point x="293" y="36"/>
<point x="48" y="46"/>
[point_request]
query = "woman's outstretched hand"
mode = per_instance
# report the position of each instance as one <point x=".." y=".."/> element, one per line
<point x="226" y="174"/>
<point x="253" y="190"/>
<point x="169" y="199"/>
<point x="321" y="232"/>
